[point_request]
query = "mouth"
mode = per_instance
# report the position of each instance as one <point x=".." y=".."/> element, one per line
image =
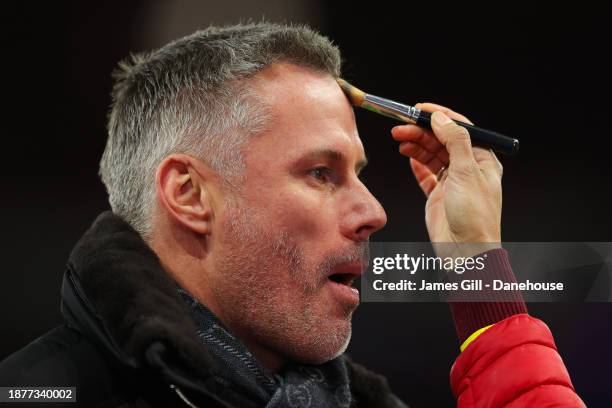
<point x="342" y="278"/>
<point x="346" y="273"/>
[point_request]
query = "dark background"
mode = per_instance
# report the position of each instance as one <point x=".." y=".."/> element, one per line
<point x="538" y="74"/>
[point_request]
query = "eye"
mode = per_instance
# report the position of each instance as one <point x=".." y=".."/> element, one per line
<point x="321" y="174"/>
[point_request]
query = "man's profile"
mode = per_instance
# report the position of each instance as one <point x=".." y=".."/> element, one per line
<point x="223" y="274"/>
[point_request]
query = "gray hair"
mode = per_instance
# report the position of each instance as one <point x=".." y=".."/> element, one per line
<point x="192" y="96"/>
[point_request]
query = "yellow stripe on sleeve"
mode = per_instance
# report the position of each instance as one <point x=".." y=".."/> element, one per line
<point x="473" y="337"/>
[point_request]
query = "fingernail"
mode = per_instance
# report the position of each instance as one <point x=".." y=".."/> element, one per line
<point x="440" y="119"/>
<point x="396" y="129"/>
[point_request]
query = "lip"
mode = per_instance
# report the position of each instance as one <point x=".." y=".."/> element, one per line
<point x="344" y="293"/>
<point x="355" y="269"/>
<point x="344" y="290"/>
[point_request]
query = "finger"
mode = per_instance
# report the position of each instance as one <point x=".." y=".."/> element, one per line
<point x="433" y="107"/>
<point x="488" y="162"/>
<point x="423" y="137"/>
<point x="424" y="156"/>
<point x="456" y="139"/>
<point x="426" y="179"/>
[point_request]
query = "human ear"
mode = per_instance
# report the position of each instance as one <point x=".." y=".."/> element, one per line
<point x="185" y="193"/>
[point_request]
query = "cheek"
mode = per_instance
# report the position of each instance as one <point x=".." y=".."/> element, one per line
<point x="304" y="214"/>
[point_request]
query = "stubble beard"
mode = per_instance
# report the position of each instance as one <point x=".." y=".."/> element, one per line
<point x="258" y="301"/>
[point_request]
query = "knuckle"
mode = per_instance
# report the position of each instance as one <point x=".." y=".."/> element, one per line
<point x="459" y="142"/>
<point x="460" y="133"/>
<point x="454" y="132"/>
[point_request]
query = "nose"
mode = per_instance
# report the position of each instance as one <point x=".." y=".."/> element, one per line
<point x="364" y="216"/>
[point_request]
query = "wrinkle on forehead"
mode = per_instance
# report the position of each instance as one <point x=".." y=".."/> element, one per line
<point x="294" y="95"/>
<point x="284" y="84"/>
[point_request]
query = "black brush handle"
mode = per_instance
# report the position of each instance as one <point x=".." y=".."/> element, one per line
<point x="480" y="137"/>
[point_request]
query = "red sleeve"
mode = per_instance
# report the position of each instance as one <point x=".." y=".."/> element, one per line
<point x="513" y="364"/>
<point x="471" y="316"/>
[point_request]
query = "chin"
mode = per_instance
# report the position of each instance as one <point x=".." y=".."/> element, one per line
<point x="321" y="349"/>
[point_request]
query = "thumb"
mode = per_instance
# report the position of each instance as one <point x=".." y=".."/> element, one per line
<point x="455" y="138"/>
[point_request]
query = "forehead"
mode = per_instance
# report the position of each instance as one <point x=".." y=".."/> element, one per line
<point x="309" y="111"/>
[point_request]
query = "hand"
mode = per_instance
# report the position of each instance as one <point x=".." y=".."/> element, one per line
<point x="464" y="206"/>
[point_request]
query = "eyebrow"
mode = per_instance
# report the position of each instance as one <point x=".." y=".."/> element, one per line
<point x="333" y="156"/>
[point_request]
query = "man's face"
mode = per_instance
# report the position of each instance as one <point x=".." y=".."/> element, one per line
<point x="294" y="237"/>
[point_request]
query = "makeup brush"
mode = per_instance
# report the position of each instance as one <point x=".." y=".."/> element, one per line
<point x="410" y="114"/>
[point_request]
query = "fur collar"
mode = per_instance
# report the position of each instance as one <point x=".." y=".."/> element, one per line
<point x="121" y="282"/>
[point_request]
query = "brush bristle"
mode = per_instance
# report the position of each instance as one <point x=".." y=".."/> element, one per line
<point x="355" y="95"/>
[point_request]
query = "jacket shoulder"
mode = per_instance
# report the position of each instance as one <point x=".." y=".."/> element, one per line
<point x="61" y="357"/>
<point x="53" y="359"/>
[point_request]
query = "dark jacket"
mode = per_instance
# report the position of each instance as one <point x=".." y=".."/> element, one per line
<point x="128" y="340"/>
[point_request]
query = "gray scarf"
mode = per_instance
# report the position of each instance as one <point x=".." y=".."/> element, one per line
<point x="243" y="381"/>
